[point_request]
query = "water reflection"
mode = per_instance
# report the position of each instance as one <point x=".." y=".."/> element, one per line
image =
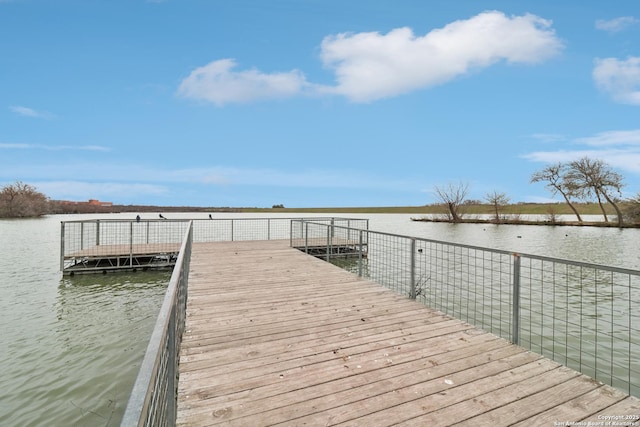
<point x="80" y="367"/>
<point x="70" y="348"/>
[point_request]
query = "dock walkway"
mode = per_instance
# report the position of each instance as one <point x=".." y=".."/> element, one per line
<point x="276" y="337"/>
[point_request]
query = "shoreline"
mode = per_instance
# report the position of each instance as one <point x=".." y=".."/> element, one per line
<point x="531" y="222"/>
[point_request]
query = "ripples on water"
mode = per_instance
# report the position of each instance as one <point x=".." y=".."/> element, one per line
<point x="78" y="358"/>
<point x="70" y="347"/>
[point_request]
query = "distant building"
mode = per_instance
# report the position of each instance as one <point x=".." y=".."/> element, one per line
<point x="94" y="202"/>
<point x="91" y="202"/>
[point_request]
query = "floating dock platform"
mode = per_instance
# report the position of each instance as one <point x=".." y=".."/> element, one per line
<point x="108" y="258"/>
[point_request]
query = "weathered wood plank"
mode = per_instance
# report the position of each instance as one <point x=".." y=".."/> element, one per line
<point x="274" y="336"/>
<point x="575" y="410"/>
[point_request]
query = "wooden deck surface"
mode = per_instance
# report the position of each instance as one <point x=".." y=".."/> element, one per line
<point x="276" y="337"/>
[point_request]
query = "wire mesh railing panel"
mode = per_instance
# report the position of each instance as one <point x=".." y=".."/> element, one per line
<point x="100" y="237"/>
<point x="388" y="261"/>
<point x="348" y="228"/>
<point x="217" y="230"/>
<point x="470" y="284"/>
<point x="583" y="316"/>
<point x="153" y="400"/>
<point x="578" y="314"/>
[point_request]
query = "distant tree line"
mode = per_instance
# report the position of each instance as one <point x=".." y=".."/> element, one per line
<point x="20" y="200"/>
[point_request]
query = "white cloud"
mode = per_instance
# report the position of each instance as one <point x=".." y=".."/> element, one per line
<point x="620" y="149"/>
<point x="217" y="82"/>
<point x="619" y="78"/>
<point x="628" y="160"/>
<point x="616" y="24"/>
<point x="21" y="146"/>
<point x="79" y="190"/>
<point x="227" y="176"/>
<point x="30" y="112"/>
<point x="617" y="137"/>
<point x="370" y="66"/>
<point x="136" y="174"/>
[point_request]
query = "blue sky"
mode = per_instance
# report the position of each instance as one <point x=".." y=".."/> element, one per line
<point x="313" y="102"/>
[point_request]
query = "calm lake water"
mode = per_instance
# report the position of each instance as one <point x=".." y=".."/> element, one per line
<point x="71" y="347"/>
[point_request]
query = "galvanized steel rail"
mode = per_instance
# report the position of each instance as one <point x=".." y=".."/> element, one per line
<point x="579" y="314"/>
<point x="153" y="398"/>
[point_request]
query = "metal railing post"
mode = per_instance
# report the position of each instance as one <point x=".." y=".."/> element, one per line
<point x="412" y="291"/>
<point x="515" y="320"/>
<point x="268" y="229"/>
<point x="329" y="229"/>
<point x="232" y="222"/>
<point x="81" y="235"/>
<point x="131" y="244"/>
<point x="302" y="222"/>
<point x="332" y="227"/>
<point x="306" y="237"/>
<point x="97" y="232"/>
<point x="360" y="253"/>
<point x="62" y="247"/>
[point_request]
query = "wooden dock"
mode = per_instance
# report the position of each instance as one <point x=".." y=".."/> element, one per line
<point x="103" y="258"/>
<point x="277" y="337"/>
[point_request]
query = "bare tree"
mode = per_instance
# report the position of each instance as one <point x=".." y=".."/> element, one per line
<point x="631" y="210"/>
<point x="22" y="200"/>
<point x="595" y="177"/>
<point x="453" y="196"/>
<point x="497" y="201"/>
<point x="554" y="176"/>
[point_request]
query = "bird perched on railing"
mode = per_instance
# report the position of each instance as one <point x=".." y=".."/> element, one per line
<point x="161" y="217"/>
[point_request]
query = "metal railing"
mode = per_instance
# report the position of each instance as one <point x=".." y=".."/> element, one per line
<point x="153" y="399"/>
<point x="98" y="237"/>
<point x="579" y="314"/>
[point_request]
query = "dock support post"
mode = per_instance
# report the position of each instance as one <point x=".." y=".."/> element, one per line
<point x="515" y="320"/>
<point x="412" y="290"/>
